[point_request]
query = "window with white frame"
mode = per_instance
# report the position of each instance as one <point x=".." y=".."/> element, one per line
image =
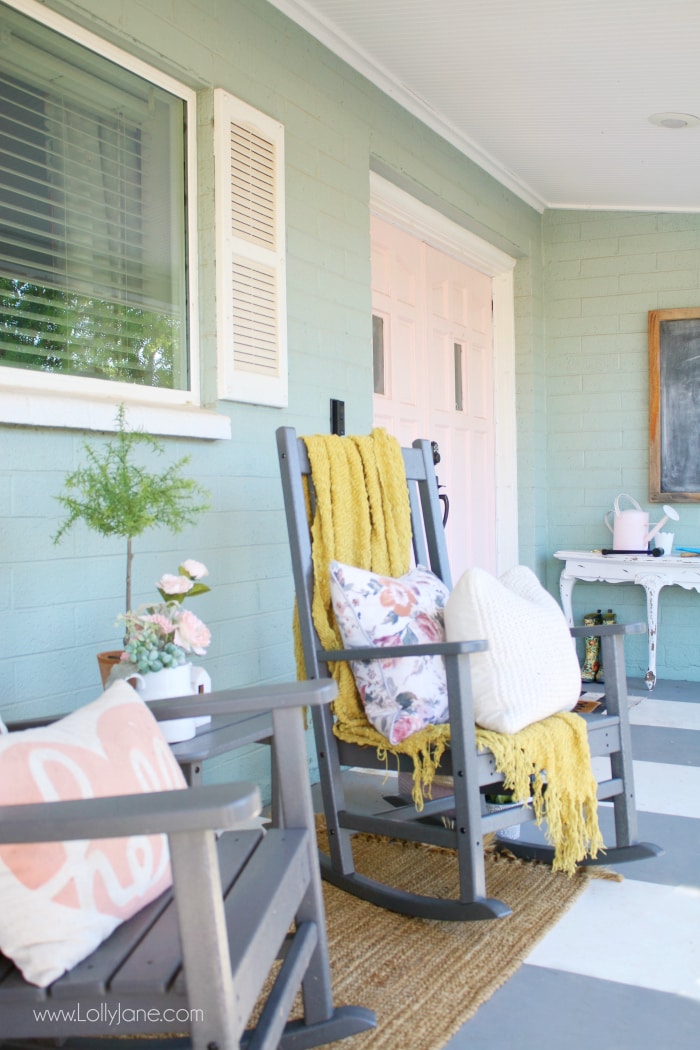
<point x="96" y="149"/>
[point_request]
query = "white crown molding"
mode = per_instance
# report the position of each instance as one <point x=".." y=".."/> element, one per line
<point x="398" y="207"/>
<point x="363" y="63"/>
<point x="684" y="209"/>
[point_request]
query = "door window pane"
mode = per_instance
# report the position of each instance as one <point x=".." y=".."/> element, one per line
<point x="459" y="383"/>
<point x="378" y="354"/>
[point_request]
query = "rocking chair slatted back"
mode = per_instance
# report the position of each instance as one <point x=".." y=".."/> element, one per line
<point x="428" y="534"/>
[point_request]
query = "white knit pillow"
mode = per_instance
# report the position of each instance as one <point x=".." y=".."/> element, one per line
<point x="530" y="670"/>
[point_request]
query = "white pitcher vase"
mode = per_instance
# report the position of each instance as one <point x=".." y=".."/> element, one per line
<point x="182" y="680"/>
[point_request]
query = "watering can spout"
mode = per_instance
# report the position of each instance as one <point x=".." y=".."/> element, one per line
<point x="669" y="513"/>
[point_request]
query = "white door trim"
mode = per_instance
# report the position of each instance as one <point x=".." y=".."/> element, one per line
<point x="394" y="205"/>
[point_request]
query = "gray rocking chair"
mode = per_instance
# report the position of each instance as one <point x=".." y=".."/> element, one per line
<point x="473" y="772"/>
<point x="204" y="951"/>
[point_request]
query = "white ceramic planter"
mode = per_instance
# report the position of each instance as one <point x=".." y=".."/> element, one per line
<point x="174" y="681"/>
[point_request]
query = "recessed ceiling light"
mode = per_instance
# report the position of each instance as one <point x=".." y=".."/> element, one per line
<point x="674" y="120"/>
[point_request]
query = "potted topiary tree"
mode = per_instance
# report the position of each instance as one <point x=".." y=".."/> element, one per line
<point x="115" y="495"/>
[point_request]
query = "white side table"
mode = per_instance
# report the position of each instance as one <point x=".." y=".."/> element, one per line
<point x="650" y="573"/>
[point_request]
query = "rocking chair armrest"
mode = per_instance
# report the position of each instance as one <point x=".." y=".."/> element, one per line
<point x="257" y="699"/>
<point x="16" y="725"/>
<point x="212" y="806"/>
<point x="390" y="652"/>
<point x="607" y="629"/>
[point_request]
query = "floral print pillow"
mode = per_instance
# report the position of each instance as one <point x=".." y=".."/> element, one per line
<point x="400" y="696"/>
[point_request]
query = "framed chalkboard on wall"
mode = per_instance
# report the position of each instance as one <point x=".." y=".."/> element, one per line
<point x="674" y="405"/>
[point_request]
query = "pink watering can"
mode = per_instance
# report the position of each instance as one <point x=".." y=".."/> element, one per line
<point x="630" y="528"/>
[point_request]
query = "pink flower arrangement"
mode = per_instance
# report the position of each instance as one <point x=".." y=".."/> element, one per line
<point x="163" y="635"/>
<point x="191" y="634"/>
<point x="186" y="584"/>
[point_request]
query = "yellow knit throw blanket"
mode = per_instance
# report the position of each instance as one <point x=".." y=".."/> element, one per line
<point x="370" y="527"/>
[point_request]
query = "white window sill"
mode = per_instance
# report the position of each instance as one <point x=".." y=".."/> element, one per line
<point x="21" y="407"/>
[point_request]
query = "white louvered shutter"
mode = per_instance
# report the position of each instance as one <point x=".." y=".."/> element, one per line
<point x="250" y="270"/>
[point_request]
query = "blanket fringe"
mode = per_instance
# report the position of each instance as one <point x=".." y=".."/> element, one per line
<point x="550" y="762"/>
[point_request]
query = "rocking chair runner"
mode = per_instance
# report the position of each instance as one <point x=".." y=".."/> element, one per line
<point x="472" y="771"/>
<point x="201" y="954"/>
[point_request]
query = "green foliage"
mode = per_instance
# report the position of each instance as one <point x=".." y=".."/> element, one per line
<point x="196" y="588"/>
<point x="117" y="496"/>
<point x="57" y="330"/>
<point x="148" y="652"/>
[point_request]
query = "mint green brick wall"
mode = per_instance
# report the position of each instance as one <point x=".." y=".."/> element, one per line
<point x="58" y="604"/>
<point x="583" y="285"/>
<point x="532" y="418"/>
<point x="603" y="273"/>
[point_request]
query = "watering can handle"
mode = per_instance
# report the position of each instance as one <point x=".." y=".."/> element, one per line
<point x="624" y="495"/>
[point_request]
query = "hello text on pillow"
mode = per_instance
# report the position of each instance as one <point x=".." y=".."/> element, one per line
<point x="60" y="900"/>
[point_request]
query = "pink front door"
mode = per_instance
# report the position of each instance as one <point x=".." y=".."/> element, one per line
<point x="433" y="353"/>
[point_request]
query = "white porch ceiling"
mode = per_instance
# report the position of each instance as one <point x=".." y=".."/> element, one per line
<point x="552" y="97"/>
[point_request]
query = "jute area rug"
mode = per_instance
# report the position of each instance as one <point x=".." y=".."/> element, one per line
<point x="425" y="978"/>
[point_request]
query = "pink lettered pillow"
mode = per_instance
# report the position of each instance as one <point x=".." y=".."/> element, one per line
<point x="60" y="900"/>
<point x="403" y="695"/>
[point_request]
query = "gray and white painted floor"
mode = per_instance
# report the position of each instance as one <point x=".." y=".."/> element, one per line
<point x="621" y="969"/>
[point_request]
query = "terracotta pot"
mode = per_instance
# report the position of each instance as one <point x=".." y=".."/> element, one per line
<point x="106" y="662"/>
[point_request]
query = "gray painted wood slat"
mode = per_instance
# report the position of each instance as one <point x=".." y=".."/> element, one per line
<point x="264" y="878"/>
<point x="156" y="960"/>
